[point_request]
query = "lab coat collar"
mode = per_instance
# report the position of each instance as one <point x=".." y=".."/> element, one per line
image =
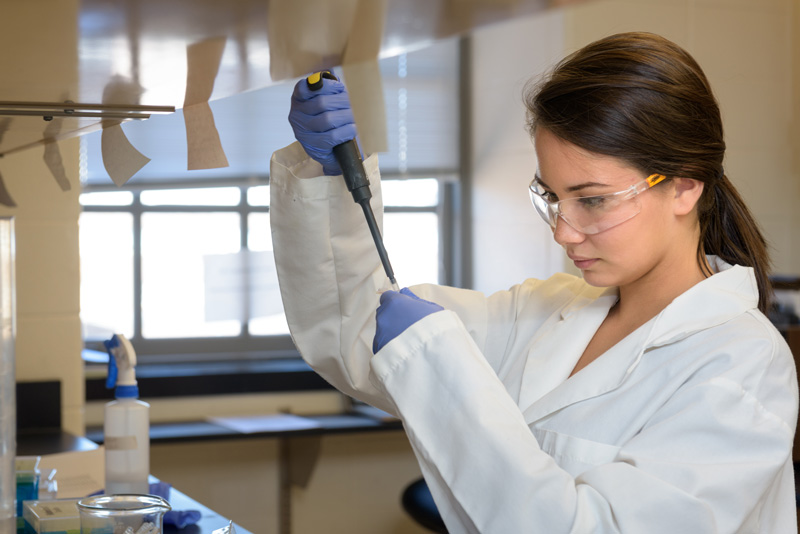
<point x="598" y="299"/>
<point x="727" y="294"/>
<point x="717" y="299"/>
<point x="731" y="291"/>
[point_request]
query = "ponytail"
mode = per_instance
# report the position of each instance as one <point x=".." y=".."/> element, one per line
<point x="728" y="230"/>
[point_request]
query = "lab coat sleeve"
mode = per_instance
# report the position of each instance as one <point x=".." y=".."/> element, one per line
<point x="329" y="272"/>
<point x="488" y="473"/>
<point x="331" y="276"/>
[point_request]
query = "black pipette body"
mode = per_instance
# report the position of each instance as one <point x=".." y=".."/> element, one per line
<point x="355" y="177"/>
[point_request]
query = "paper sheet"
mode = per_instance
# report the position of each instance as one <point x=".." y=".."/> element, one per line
<point x="363" y="75"/>
<point x="52" y="154"/>
<point x="307" y="36"/>
<point x="241" y="286"/>
<point x="365" y="87"/>
<point x="202" y="137"/>
<point x="79" y="473"/>
<point x="347" y="33"/>
<point x="120" y="157"/>
<point x="265" y="423"/>
<point x="5" y="196"/>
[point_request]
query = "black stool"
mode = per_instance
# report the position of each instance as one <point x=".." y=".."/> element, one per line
<point x="418" y="503"/>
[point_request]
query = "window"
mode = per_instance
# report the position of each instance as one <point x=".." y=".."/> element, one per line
<point x="181" y="263"/>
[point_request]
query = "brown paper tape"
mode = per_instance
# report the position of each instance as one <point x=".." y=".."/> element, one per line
<point x="363" y="76"/>
<point x="5" y="197"/>
<point x="369" y="109"/>
<point x="120" y="443"/>
<point x="204" y="149"/>
<point x="307" y="36"/>
<point x="52" y="154"/>
<point x="120" y="157"/>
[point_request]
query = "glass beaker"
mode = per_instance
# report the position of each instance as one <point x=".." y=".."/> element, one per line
<point x="122" y="514"/>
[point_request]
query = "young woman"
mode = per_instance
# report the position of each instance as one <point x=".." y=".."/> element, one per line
<point x="650" y="395"/>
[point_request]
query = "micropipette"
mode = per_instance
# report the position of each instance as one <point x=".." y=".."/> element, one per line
<point x="355" y="177"/>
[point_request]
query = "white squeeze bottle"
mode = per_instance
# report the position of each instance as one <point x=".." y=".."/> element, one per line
<point x="126" y="428"/>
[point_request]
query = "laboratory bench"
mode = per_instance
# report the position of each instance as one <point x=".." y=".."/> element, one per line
<point x="42" y="442"/>
<point x="299" y="449"/>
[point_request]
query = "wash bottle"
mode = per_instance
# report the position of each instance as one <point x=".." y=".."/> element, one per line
<point x="126" y="427"/>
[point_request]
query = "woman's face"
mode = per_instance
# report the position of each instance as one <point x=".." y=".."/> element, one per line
<point x="619" y="255"/>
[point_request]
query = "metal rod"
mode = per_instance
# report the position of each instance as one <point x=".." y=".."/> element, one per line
<point x="81" y="114"/>
<point x="71" y="106"/>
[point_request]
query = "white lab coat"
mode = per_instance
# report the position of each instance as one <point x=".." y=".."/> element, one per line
<point x="685" y="426"/>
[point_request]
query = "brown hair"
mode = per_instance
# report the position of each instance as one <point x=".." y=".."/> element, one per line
<point x="643" y="99"/>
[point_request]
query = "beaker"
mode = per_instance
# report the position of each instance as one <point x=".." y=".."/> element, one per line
<point x="122" y="514"/>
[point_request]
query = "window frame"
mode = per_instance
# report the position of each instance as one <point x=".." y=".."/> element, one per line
<point x="455" y="244"/>
<point x="247" y="346"/>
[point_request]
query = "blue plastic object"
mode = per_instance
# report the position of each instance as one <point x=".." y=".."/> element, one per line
<point x="111" y="379"/>
<point x="322" y="119"/>
<point x="397" y="312"/>
<point x="120" y="353"/>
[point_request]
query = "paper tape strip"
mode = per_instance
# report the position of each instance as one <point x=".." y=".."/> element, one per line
<point x="363" y="76"/>
<point x="120" y="157"/>
<point x="120" y="443"/>
<point x="52" y="154"/>
<point x="5" y="197"/>
<point x="204" y="148"/>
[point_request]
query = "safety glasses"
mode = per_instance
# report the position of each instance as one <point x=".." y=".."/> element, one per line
<point x="591" y="215"/>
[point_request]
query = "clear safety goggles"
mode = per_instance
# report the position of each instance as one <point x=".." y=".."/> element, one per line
<point x="591" y="215"/>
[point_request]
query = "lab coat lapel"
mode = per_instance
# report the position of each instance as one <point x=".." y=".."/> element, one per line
<point x="604" y="374"/>
<point x="715" y="300"/>
<point x="727" y="294"/>
<point x="558" y="348"/>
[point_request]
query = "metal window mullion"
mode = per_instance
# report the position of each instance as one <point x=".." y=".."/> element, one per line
<point x="463" y="233"/>
<point x="244" y="230"/>
<point x="411" y="209"/>
<point x="448" y="247"/>
<point x="191" y="209"/>
<point x="136" y="212"/>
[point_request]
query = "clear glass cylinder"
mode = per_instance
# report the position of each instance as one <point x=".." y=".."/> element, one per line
<point x="8" y="386"/>
<point x="122" y="514"/>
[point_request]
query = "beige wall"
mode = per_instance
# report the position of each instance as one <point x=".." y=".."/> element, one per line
<point x="746" y="48"/>
<point x="48" y="342"/>
<point x="749" y="50"/>
<point x="510" y="241"/>
<point x="795" y="126"/>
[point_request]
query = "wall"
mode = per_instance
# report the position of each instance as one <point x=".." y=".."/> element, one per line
<point x="510" y="241"/>
<point x="748" y="49"/>
<point x="745" y="48"/>
<point x="795" y="104"/>
<point x="48" y="343"/>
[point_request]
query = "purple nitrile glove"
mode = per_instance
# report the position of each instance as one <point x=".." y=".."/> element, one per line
<point x="321" y="120"/>
<point x="397" y="312"/>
